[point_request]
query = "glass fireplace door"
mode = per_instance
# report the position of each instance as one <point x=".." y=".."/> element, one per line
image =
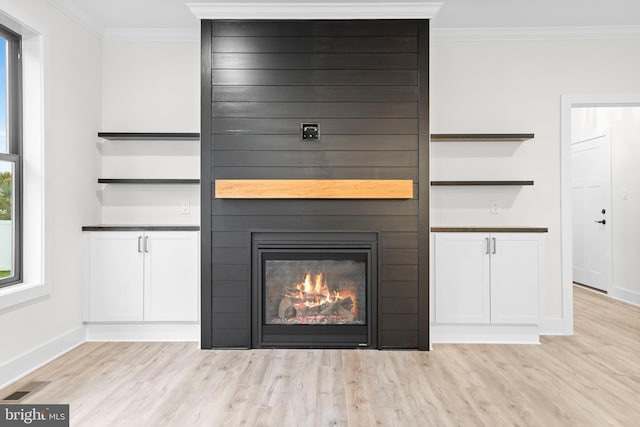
<point x="315" y="291"/>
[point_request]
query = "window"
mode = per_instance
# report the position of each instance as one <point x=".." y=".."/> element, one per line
<point x="10" y="158"/>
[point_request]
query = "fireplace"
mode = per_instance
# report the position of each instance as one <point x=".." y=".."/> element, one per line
<point x="264" y="189"/>
<point x="314" y="289"/>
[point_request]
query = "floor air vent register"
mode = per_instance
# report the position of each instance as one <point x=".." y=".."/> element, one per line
<point x="24" y="391"/>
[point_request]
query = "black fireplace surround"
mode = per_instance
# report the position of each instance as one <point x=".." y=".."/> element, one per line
<point x="365" y="83"/>
<point x="314" y="289"/>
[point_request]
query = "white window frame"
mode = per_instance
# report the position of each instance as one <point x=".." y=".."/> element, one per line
<point x="35" y="274"/>
<point x="14" y="147"/>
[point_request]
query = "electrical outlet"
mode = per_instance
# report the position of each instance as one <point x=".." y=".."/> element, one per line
<point x="185" y="209"/>
<point x="495" y="206"/>
<point x="309" y="132"/>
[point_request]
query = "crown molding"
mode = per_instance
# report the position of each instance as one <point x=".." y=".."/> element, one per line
<point x="14" y="17"/>
<point x="536" y="33"/>
<point x="82" y="18"/>
<point x="413" y="9"/>
<point x="151" y="35"/>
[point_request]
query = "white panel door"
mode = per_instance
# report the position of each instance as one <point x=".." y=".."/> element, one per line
<point x="115" y="277"/>
<point x="591" y="204"/>
<point x="171" y="276"/>
<point x="516" y="260"/>
<point x="461" y="278"/>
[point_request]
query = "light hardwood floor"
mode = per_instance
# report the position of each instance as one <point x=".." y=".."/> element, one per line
<point x="590" y="379"/>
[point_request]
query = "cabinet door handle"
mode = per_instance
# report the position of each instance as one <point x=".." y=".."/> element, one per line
<point x="139" y="241"/>
<point x="488" y="245"/>
<point x="495" y="246"/>
<point x="146" y="243"/>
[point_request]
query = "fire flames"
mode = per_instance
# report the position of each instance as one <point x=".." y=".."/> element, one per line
<point x="311" y="301"/>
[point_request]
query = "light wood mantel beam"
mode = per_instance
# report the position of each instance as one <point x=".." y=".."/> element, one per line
<point x="313" y="189"/>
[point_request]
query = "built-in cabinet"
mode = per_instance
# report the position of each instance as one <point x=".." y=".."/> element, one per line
<point x="142" y="280"/>
<point x="487" y="282"/>
<point x="142" y="276"/>
<point x="486" y="279"/>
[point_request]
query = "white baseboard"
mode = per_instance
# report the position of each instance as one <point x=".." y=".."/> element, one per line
<point x="485" y="334"/>
<point x="632" y="297"/>
<point x="552" y="326"/>
<point x="143" y="331"/>
<point x="34" y="359"/>
<point x="22" y="365"/>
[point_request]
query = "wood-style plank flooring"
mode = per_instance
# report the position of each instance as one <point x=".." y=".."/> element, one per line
<point x="590" y="379"/>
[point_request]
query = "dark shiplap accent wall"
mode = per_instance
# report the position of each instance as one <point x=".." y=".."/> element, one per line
<point x="360" y="80"/>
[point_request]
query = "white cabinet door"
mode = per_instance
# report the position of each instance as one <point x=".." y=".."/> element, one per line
<point x="171" y="276"/>
<point x="516" y="262"/>
<point x="461" y="278"/>
<point x="115" y="277"/>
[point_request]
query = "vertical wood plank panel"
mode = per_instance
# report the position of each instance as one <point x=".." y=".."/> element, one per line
<point x="206" y="286"/>
<point x="423" y="185"/>
<point x="377" y="123"/>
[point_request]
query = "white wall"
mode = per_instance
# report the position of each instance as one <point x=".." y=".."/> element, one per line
<point x="150" y="87"/>
<point x="624" y="123"/>
<point x="515" y="86"/>
<point x="71" y="113"/>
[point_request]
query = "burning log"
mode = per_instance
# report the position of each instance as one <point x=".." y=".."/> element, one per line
<point x="295" y="307"/>
<point x="347" y="315"/>
<point x="286" y="310"/>
<point x="312" y="301"/>
<point x="341" y="307"/>
<point x="290" y="313"/>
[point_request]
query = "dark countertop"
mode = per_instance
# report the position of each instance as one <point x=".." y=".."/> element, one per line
<point x="109" y="227"/>
<point x="489" y="229"/>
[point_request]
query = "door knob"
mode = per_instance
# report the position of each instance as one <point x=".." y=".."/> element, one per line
<point x="604" y="221"/>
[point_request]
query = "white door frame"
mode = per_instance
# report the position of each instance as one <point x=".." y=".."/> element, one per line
<point x="568" y="101"/>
